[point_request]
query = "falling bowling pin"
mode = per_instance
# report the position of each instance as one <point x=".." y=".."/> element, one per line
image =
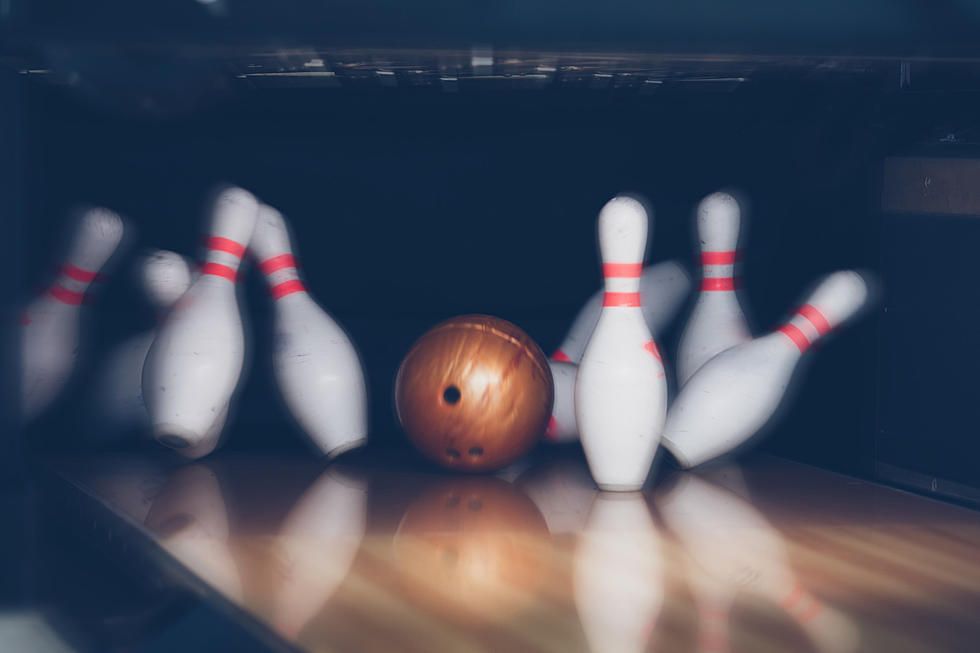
<point x="735" y="393"/>
<point x="663" y="287"/>
<point x="621" y="392"/>
<point x="717" y="321"/>
<point x="195" y="363"/>
<point x="163" y="276"/>
<point x="316" y="365"/>
<point x="50" y="324"/>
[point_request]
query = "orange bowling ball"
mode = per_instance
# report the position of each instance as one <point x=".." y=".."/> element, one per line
<point x="474" y="393"/>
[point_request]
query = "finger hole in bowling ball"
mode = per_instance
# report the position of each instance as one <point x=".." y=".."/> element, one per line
<point x="476" y="452"/>
<point x="451" y="395"/>
<point x="452" y="453"/>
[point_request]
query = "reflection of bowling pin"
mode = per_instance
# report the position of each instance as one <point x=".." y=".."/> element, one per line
<point x="735" y="546"/>
<point x="662" y="289"/>
<point x="717" y="321"/>
<point x="735" y="393"/>
<point x="319" y="374"/>
<point x="562" y="490"/>
<point x="316" y="548"/>
<point x="561" y="426"/>
<point x="620" y="392"/>
<point x="164" y="277"/>
<point x="190" y="520"/>
<point x="49" y="336"/>
<point x="617" y="574"/>
<point x="195" y="363"/>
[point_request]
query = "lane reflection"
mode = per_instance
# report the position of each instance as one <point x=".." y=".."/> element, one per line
<point x="618" y="573"/>
<point x="731" y="548"/>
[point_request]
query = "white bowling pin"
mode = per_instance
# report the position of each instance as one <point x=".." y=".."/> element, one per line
<point x="163" y="276"/>
<point x="316" y="548"/>
<point x="621" y="392"/>
<point x="736" y="548"/>
<point x="735" y="393"/>
<point x="717" y="321"/>
<point x="316" y="365"/>
<point x="617" y="574"/>
<point x="50" y="324"/>
<point x="195" y="363"/>
<point x="561" y="426"/>
<point x="663" y="288"/>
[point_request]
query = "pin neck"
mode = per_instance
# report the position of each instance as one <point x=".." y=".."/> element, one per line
<point x="71" y="284"/>
<point x="282" y="276"/>
<point x="718" y="270"/>
<point x="222" y="257"/>
<point x="805" y="327"/>
<point x="622" y="284"/>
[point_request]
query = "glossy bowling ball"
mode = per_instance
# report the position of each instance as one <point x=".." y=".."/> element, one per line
<point x="473" y="550"/>
<point x="474" y="393"/>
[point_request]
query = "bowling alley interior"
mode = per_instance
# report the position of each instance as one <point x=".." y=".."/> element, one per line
<point x="535" y="326"/>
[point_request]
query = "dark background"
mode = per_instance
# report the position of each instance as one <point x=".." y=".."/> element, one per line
<point x="411" y="205"/>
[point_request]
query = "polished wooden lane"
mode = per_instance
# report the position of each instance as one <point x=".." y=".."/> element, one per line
<point x="366" y="555"/>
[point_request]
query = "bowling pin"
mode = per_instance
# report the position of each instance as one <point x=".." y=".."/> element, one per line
<point x="561" y="426"/>
<point x="663" y="288"/>
<point x="195" y="363"/>
<point x="717" y="321"/>
<point x="617" y="574"/>
<point x="50" y="324"/>
<point x="620" y="392"/>
<point x="737" y="550"/>
<point x="318" y="370"/>
<point x="735" y="393"/>
<point x="316" y="548"/>
<point x="163" y="276"/>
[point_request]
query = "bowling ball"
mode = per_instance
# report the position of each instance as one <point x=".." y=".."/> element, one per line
<point x="474" y="550"/>
<point x="474" y="393"/>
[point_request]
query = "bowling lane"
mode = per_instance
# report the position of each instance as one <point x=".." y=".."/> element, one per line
<point x="367" y="554"/>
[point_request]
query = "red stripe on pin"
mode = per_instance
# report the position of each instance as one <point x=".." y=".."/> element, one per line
<point x="815" y="318"/>
<point x="66" y="296"/>
<point x="621" y="299"/>
<point x="219" y="270"/>
<point x="228" y="245"/>
<point x="560" y="356"/>
<point x="721" y="258"/>
<point x="720" y="283"/>
<point x="277" y="263"/>
<point x="551" y="433"/>
<point x="651" y="347"/>
<point x="287" y="288"/>
<point x="798" y="337"/>
<point x="78" y="274"/>
<point x="793" y="597"/>
<point x="625" y="270"/>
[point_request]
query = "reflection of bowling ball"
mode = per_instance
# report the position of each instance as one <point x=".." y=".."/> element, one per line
<point x="473" y="549"/>
<point x="474" y="393"/>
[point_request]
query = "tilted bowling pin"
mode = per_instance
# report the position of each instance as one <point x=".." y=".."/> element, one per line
<point x="50" y="324"/>
<point x="561" y="426"/>
<point x="621" y="392"/>
<point x="735" y="393"/>
<point x="195" y="363"/>
<point x="717" y="321"/>
<point x="617" y="574"/>
<point x="316" y="365"/>
<point x="164" y="276"/>
<point x="663" y="288"/>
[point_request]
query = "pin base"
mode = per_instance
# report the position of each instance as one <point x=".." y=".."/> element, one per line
<point x="344" y="448"/>
<point x="174" y="436"/>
